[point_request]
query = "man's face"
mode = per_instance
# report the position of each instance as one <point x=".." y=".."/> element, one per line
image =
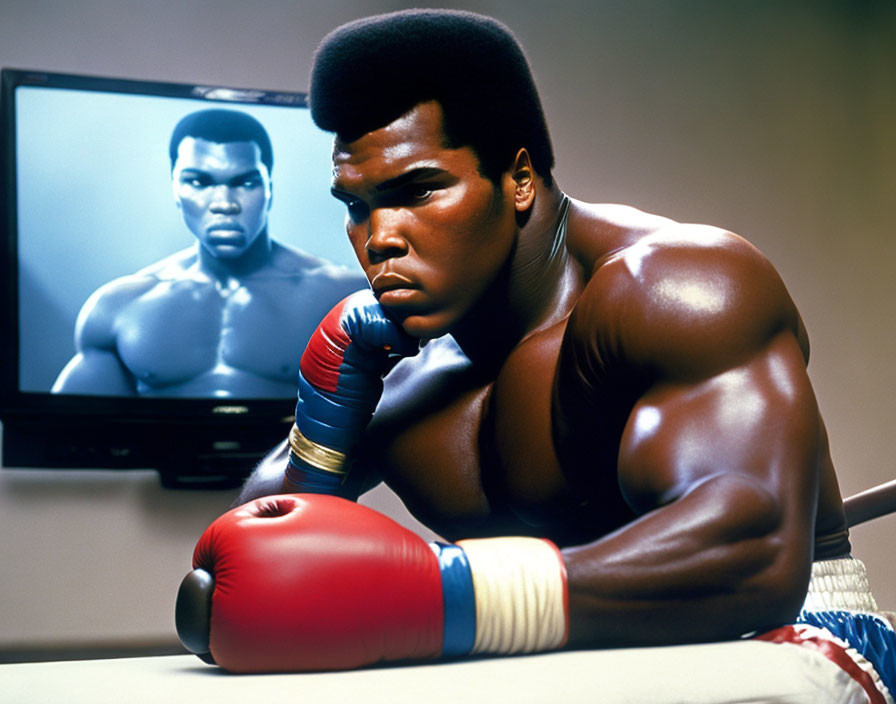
<point x="224" y="193"/>
<point x="430" y="231"/>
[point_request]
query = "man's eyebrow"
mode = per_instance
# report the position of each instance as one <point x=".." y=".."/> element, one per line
<point x="420" y="173"/>
<point x="191" y="171"/>
<point x="417" y="174"/>
<point x="251" y="173"/>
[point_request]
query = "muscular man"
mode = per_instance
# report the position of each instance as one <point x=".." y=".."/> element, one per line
<point x="191" y="325"/>
<point x="631" y="388"/>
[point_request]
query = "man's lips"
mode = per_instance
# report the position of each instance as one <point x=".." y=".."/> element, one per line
<point x="390" y="281"/>
<point x="395" y="290"/>
<point x="224" y="227"/>
<point x="225" y="234"/>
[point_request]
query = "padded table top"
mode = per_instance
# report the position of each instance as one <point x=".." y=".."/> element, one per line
<point x="696" y="674"/>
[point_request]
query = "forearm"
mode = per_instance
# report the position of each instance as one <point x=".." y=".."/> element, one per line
<point x="719" y="562"/>
<point x="270" y="478"/>
<point x="267" y="478"/>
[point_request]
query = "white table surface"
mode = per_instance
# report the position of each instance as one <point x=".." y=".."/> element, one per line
<point x="745" y="671"/>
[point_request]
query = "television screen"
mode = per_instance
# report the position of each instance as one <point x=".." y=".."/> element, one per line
<point x="169" y="249"/>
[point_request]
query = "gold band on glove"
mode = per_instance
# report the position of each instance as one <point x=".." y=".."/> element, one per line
<point x="323" y="458"/>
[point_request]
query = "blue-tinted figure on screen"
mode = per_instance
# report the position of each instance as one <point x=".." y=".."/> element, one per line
<point x="228" y="316"/>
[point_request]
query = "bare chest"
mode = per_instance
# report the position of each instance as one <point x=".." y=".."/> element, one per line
<point x="241" y="341"/>
<point x="477" y="457"/>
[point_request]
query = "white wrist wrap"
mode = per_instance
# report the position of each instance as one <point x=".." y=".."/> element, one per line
<point x="520" y="593"/>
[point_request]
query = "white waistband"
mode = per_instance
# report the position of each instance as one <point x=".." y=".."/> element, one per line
<point x="839" y="584"/>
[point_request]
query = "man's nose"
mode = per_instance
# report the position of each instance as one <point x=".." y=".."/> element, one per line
<point x="224" y="201"/>
<point x="384" y="237"/>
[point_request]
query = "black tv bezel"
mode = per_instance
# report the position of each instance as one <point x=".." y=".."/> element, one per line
<point x="216" y="441"/>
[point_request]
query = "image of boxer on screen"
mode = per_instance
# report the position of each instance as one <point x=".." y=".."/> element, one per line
<point x="631" y="388"/>
<point x="192" y="324"/>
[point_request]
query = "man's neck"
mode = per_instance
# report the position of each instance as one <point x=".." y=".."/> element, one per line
<point x="225" y="271"/>
<point x="536" y="289"/>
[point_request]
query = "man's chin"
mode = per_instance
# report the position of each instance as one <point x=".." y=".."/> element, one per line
<point x="226" y="247"/>
<point x="422" y="327"/>
<point x="226" y="251"/>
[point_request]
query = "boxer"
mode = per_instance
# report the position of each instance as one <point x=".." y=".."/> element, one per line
<point x="630" y="389"/>
<point x="188" y="325"/>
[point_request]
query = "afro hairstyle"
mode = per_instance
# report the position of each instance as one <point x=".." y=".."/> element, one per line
<point x="369" y="72"/>
<point x="222" y="126"/>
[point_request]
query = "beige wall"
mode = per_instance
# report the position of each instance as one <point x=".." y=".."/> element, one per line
<point x="774" y="119"/>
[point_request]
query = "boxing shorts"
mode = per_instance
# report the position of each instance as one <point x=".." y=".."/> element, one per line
<point x="840" y="619"/>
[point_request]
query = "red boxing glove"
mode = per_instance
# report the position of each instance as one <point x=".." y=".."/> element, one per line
<point x="315" y="582"/>
<point x="302" y="582"/>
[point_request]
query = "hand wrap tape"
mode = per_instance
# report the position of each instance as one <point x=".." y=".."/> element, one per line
<point x="521" y="594"/>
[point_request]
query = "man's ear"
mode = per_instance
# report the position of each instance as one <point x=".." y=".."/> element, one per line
<point x="524" y="181"/>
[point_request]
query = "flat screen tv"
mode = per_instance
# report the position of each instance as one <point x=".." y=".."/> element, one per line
<point x="91" y="199"/>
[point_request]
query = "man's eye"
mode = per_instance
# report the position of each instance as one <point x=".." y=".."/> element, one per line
<point x="357" y="210"/>
<point x="195" y="182"/>
<point x="420" y="193"/>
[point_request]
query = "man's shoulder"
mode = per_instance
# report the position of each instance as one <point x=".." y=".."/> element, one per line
<point x="683" y="251"/>
<point x="292" y="262"/>
<point x="681" y="295"/>
<point x="595" y="231"/>
<point x="610" y="232"/>
<point x="123" y="289"/>
<point x="661" y="261"/>
<point x="172" y="267"/>
<point x="97" y="318"/>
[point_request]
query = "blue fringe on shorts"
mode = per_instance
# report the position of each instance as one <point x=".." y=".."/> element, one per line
<point x="871" y="635"/>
